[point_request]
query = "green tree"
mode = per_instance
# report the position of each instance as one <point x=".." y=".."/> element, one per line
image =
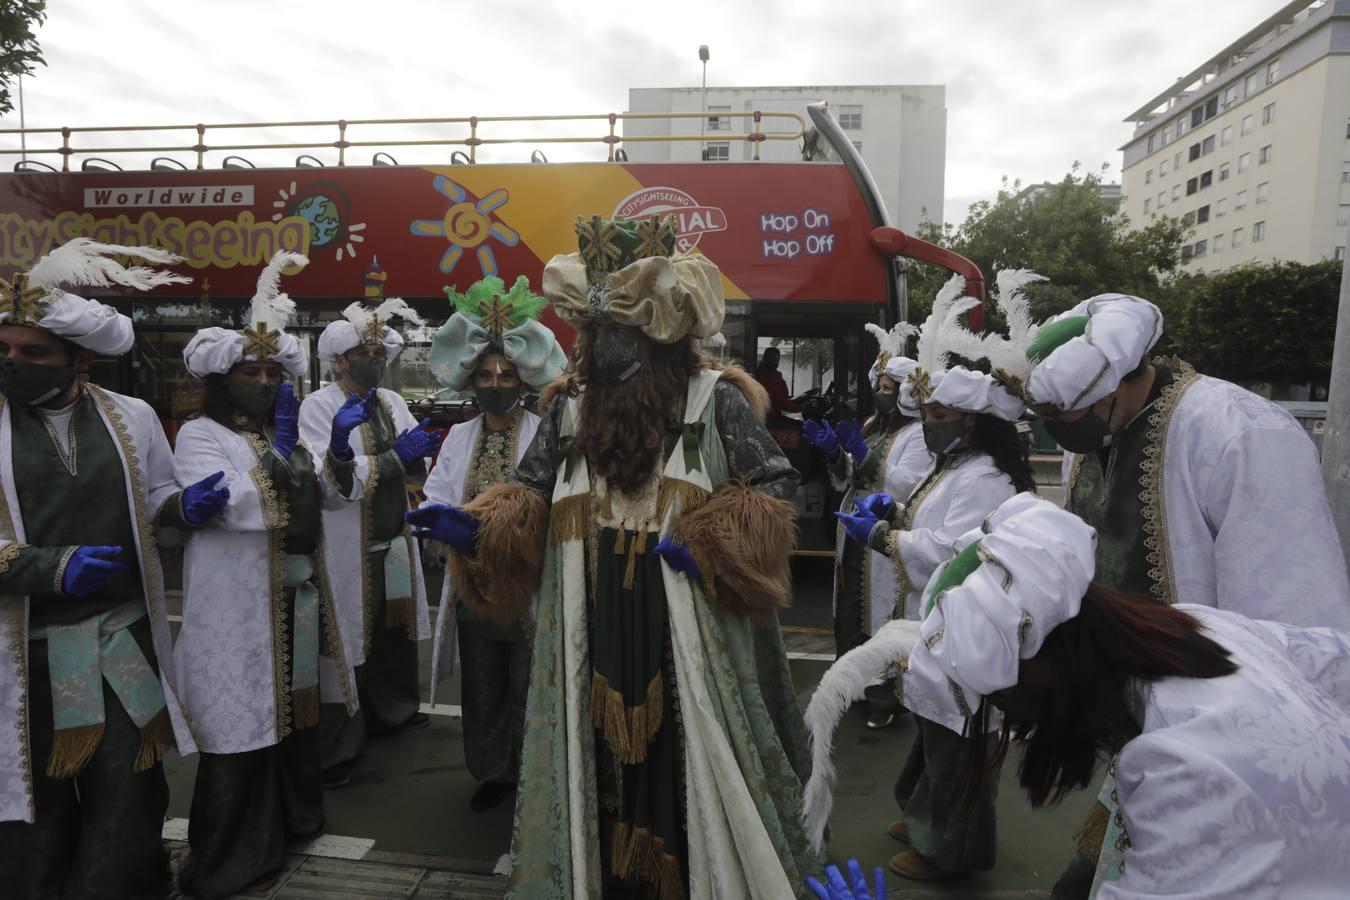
<point x="19" y="51"/>
<point x="1271" y="322"/>
<point x="1067" y="232"/>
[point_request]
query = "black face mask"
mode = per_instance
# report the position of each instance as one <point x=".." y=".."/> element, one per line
<point x="30" y="384"/>
<point x="944" y="437"/>
<point x="1087" y="434"/>
<point x="253" y="398"/>
<point x="618" y="353"/>
<point x="497" y="401"/>
<point x="885" y="403"/>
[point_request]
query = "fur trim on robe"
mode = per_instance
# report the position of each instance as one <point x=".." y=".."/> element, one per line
<point x="503" y="577"/>
<point x="741" y="539"/>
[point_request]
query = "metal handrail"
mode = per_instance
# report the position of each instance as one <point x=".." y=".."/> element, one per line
<point x="756" y="136"/>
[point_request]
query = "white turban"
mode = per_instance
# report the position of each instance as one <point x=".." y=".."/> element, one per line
<point x="972" y="392"/>
<point x="898" y="368"/>
<point x="1032" y="563"/>
<point x="1119" y="332"/>
<point x="214" y="351"/>
<point x="359" y="325"/>
<point x="40" y="299"/>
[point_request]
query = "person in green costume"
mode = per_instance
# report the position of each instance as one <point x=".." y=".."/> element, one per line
<point x="257" y="616"/>
<point x="651" y="514"/>
<point x="370" y="561"/>
<point x="87" y="693"/>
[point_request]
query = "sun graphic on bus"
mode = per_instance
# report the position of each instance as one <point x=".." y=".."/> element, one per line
<point x="467" y="225"/>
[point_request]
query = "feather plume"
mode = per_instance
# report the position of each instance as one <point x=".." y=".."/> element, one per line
<point x="359" y="316"/>
<point x="86" y="263"/>
<point x="270" y="306"/>
<point x="892" y="343"/>
<point x="842" y="686"/>
<point x="1008" y="356"/>
<point x="943" y="336"/>
<point x="396" y="306"/>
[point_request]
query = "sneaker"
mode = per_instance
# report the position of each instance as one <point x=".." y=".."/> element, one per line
<point x="911" y="865"/>
<point x="899" y="830"/>
<point x="416" y="721"/>
<point x="337" y="777"/>
<point x="490" y="794"/>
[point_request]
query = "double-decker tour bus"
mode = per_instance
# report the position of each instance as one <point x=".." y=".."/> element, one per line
<point x="805" y="248"/>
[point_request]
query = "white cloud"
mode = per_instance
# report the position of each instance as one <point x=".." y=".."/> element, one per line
<point x="1033" y="85"/>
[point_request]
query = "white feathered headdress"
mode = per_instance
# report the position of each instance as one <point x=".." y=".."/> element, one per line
<point x="370" y="323"/>
<point x="1008" y="356"/>
<point x="891" y="344"/>
<point x="83" y="262"/>
<point x="214" y="351"/>
<point x="942" y="336"/>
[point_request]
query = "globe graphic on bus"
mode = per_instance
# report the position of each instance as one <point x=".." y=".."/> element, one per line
<point x="321" y="212"/>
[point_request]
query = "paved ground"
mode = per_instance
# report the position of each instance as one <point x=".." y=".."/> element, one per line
<point x="403" y="828"/>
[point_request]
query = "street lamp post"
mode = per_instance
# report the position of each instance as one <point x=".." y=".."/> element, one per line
<point x="703" y="119"/>
<point x="23" y="135"/>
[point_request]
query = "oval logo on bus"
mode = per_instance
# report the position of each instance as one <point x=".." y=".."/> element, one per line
<point x="692" y="220"/>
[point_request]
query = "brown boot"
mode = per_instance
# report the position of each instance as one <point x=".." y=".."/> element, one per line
<point x="911" y="865"/>
<point x="899" y="830"/>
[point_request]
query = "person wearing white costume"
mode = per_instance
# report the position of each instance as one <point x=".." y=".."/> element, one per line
<point x="88" y="704"/>
<point x="1200" y="491"/>
<point x="1230" y="737"/>
<point x="495" y="346"/>
<point x="260" y="634"/>
<point x="369" y="556"/>
<point x="979" y="463"/>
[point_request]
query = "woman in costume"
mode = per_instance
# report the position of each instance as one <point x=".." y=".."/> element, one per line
<point x="664" y="748"/>
<point x="979" y="463"/>
<point x="256" y="614"/>
<point x="1229" y="737"/>
<point x="495" y="346"/>
<point x="886" y="455"/>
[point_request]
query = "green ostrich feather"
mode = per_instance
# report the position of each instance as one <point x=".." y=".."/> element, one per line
<point x="497" y="308"/>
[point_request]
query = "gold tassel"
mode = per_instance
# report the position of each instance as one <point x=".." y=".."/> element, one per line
<point x="618" y="544"/>
<point x="637" y="853"/>
<point x="1090" y="835"/>
<point x="679" y="496"/>
<point x="627" y="729"/>
<point x="156" y="740"/>
<point x="72" y="748"/>
<point x="607" y="511"/>
<point x="400" y="611"/>
<point x="637" y="547"/>
<point x="305" y="707"/>
<point x="570" y="518"/>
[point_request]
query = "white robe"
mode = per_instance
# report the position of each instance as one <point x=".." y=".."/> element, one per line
<point x="907" y="463"/>
<point x="958" y="499"/>
<point x="343" y="555"/>
<point x="1240" y="786"/>
<point x="148" y="468"/>
<point x="446" y="485"/>
<point x="225" y="653"/>
<point x="1247" y="526"/>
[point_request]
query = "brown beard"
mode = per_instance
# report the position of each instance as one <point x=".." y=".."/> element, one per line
<point x="623" y="426"/>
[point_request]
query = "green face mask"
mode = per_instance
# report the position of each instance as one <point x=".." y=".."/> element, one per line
<point x="251" y="398"/>
<point x="30" y="384"/>
<point x="367" y="373"/>
<point x="943" y="437"/>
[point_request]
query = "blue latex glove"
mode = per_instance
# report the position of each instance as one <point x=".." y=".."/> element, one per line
<point x="878" y="505"/>
<point x="859" y="527"/>
<point x="89" y="569"/>
<point x="352" y="415"/>
<point x="821" y="436"/>
<point x="416" y="443"/>
<point x="286" y="416"/>
<point x="856" y="889"/>
<point x="677" y="556"/>
<point x="852" y="440"/>
<point x="203" y="501"/>
<point x="450" y="525"/>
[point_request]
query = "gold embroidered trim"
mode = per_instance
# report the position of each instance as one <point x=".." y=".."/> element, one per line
<point x="1153" y="503"/>
<point x="904" y="586"/>
<point x="59" y="579"/>
<point x="367" y="432"/>
<point x="570" y="518"/>
<point x="627" y="729"/>
<point x="18" y="649"/>
<point x="676" y="496"/>
<point x="281" y="656"/>
<point x="635" y="853"/>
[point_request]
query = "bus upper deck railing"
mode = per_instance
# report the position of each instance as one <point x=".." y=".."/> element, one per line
<point x="474" y="139"/>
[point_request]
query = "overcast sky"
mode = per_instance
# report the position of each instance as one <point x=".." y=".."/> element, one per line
<point x="1032" y="85"/>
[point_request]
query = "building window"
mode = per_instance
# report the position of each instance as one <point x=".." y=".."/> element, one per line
<point x="1258" y="232"/>
<point x="1249" y="85"/>
<point x="718" y="151"/>
<point x="1166" y="136"/>
<point x="1148" y="176"/>
<point x="1237" y="238"/>
<point x="1220" y="207"/>
<point x="1261" y="192"/>
<point x="1240" y="201"/>
<point x="1272" y="75"/>
<point x="1162" y="167"/>
<point x="1264" y="156"/>
<point x="850" y="117"/>
<point x="1176" y="193"/>
<point x="1223" y="172"/>
<point x="1151" y="142"/>
<point x="1343" y="214"/>
<point x="716" y="122"/>
<point x="1201" y="248"/>
<point x="1182" y="126"/>
<point x="1187" y="251"/>
<point x="1247" y="124"/>
<point x="1268" y="114"/>
<point x="1230" y="95"/>
<point x="1206" y="179"/>
<point x="1148" y="205"/>
<point x="1202" y="215"/>
<point x="1345" y="175"/>
<point x="1176" y="162"/>
<point x="1162" y="199"/>
<point x="1189" y="219"/>
<point x="857" y="145"/>
<point x="1192" y="185"/>
<point x="1218" y="243"/>
<point x="1226" y="136"/>
<point x="1347" y="128"/>
<point x="1194" y="153"/>
<point x="1207" y="146"/>
<point x="1338" y="254"/>
<point x="1244" y="162"/>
